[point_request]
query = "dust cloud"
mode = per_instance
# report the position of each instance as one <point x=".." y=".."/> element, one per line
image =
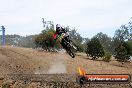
<point x="40" y="71"/>
<point x="57" y="67"/>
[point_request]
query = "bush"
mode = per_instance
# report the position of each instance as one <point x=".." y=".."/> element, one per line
<point x="122" y="52"/>
<point x="130" y="45"/>
<point x="94" y="48"/>
<point x="107" y="57"/>
<point x="45" y="40"/>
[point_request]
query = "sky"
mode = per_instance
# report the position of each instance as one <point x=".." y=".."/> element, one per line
<point x="89" y="17"/>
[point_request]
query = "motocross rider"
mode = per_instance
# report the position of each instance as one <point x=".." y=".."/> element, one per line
<point x="59" y="32"/>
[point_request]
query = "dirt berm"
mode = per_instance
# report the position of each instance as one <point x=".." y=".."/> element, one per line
<point x="25" y="68"/>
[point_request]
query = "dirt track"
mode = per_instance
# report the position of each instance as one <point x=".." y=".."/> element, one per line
<point x="28" y="61"/>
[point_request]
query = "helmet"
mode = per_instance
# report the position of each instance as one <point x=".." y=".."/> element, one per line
<point x="58" y="26"/>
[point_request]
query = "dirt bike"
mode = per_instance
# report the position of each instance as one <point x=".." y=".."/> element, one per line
<point x="68" y="45"/>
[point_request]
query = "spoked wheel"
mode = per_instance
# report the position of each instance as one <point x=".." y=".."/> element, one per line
<point x="74" y="46"/>
<point x="72" y="54"/>
<point x="71" y="48"/>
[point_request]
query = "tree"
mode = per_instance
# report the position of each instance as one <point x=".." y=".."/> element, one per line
<point x="28" y="41"/>
<point x="130" y="30"/>
<point x="122" y="34"/>
<point x="77" y="39"/>
<point x="85" y="42"/>
<point x="105" y="41"/>
<point x="122" y="52"/>
<point x="94" y="48"/>
<point x="45" y="40"/>
<point x="130" y="44"/>
<point x="13" y="39"/>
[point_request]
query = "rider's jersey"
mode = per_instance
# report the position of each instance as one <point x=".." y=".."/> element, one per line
<point x="60" y="31"/>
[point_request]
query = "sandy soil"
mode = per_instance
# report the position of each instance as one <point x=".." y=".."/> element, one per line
<point x="29" y="61"/>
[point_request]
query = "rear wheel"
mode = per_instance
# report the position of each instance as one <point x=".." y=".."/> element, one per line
<point x="72" y="54"/>
<point x="70" y="48"/>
